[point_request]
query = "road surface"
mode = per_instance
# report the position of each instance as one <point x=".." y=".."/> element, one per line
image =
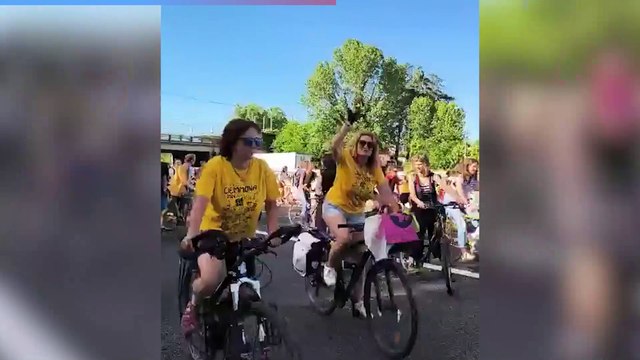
<point x="449" y="327"/>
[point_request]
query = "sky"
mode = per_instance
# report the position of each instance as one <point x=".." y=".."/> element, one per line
<point x="218" y="56"/>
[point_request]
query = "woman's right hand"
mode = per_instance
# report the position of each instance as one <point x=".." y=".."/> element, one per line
<point x="421" y="205"/>
<point x="186" y="243"/>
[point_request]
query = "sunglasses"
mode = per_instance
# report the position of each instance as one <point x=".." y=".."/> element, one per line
<point x="367" y="144"/>
<point x="254" y="142"/>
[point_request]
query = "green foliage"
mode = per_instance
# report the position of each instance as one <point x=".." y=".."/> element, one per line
<point x="551" y="38"/>
<point x="473" y="150"/>
<point x="420" y="121"/>
<point x="293" y="137"/>
<point x="437" y="130"/>
<point x="272" y="119"/>
<point x="446" y="144"/>
<point x="402" y="105"/>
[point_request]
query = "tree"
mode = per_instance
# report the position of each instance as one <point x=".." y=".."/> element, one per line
<point x="351" y="80"/>
<point x="293" y="137"/>
<point x="446" y="142"/>
<point x="419" y="124"/>
<point x="473" y="150"/>
<point x="277" y="118"/>
<point x="361" y="78"/>
<point x="270" y="120"/>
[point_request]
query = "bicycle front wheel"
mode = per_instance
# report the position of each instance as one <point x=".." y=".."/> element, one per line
<point x="320" y="295"/>
<point x="445" y="251"/>
<point x="266" y="336"/>
<point x="392" y="316"/>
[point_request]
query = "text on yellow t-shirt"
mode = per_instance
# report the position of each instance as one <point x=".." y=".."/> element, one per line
<point x="354" y="185"/>
<point x="235" y="197"/>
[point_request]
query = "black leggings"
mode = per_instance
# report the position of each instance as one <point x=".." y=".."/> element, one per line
<point x="426" y="219"/>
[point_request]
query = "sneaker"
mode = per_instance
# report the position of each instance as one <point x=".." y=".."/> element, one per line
<point x="189" y="322"/>
<point x="329" y="275"/>
<point x="358" y="308"/>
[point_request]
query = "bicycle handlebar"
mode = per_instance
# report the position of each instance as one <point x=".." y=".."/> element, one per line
<point x="214" y="243"/>
<point x="452" y="204"/>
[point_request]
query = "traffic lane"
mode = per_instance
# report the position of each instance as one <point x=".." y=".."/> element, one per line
<point x="448" y="326"/>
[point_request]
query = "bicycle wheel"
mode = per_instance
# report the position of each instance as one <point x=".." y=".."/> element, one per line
<point x="387" y="278"/>
<point x="320" y="295"/>
<point x="445" y="253"/>
<point x="265" y="336"/>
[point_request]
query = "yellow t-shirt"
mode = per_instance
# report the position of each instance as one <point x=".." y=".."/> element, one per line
<point x="404" y="187"/>
<point x="179" y="180"/>
<point x="235" y="197"/>
<point x="354" y="185"/>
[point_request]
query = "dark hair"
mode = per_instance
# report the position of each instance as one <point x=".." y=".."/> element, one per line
<point x="232" y="133"/>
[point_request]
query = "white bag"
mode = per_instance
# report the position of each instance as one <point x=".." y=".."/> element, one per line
<point x="374" y="239"/>
<point x="300" y="250"/>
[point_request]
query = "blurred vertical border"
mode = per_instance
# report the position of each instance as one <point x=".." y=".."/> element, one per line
<point x="79" y="129"/>
<point x="560" y="125"/>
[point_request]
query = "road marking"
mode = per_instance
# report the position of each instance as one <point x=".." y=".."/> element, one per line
<point x="462" y="272"/>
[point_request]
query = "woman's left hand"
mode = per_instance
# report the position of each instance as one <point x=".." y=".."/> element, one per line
<point x="275" y="242"/>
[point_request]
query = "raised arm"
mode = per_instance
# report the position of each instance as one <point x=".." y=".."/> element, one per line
<point x="337" y="144"/>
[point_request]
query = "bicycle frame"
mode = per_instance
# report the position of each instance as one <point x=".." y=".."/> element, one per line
<point x="341" y="293"/>
<point x="233" y="281"/>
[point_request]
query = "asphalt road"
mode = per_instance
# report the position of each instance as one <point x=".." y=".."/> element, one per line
<point x="448" y="326"/>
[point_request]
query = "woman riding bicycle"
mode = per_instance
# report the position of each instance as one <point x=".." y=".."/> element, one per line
<point x="466" y="184"/>
<point x="358" y="175"/>
<point x="229" y="197"/>
<point x="424" y="197"/>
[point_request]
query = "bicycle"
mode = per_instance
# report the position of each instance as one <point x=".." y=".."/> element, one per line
<point x="439" y="238"/>
<point x="171" y="219"/>
<point x="226" y="315"/>
<point x="380" y="268"/>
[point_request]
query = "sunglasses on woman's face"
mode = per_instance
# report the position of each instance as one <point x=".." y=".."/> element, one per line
<point x="367" y="144"/>
<point x="253" y="142"/>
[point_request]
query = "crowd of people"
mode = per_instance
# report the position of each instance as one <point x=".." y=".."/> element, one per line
<point x="232" y="189"/>
<point x="416" y="187"/>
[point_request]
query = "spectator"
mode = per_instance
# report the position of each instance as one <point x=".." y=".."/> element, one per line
<point x="164" y="181"/>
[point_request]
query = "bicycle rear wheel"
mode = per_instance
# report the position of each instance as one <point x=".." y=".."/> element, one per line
<point x="265" y="334"/>
<point x="387" y="278"/>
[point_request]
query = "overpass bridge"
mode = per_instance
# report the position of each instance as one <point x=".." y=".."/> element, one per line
<point x="180" y="145"/>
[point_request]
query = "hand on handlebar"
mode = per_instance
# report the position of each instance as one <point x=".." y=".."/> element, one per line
<point x="186" y="244"/>
<point x="275" y="242"/>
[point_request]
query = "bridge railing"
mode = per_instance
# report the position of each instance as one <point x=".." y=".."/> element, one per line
<point x="185" y="139"/>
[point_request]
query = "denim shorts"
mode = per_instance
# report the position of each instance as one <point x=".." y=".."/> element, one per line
<point x="328" y="209"/>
